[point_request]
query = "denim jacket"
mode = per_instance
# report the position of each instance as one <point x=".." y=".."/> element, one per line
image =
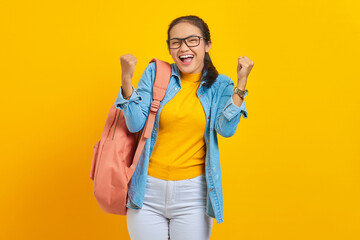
<point x="222" y="117"/>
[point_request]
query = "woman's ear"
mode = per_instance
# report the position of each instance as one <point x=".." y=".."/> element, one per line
<point x="208" y="47"/>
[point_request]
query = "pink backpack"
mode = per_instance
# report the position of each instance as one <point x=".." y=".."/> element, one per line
<point x="117" y="153"/>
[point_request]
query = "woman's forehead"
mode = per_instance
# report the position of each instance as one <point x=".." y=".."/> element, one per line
<point x="182" y="30"/>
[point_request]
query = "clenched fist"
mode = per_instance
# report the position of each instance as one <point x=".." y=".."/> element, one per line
<point x="128" y="63"/>
<point x="244" y="67"/>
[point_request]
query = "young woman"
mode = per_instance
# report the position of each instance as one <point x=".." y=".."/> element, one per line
<point x="176" y="188"/>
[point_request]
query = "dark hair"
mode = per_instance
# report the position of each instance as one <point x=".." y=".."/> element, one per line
<point x="212" y="73"/>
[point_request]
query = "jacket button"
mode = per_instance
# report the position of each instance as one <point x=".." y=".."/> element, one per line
<point x="207" y="164"/>
<point x="210" y="189"/>
<point x="200" y="95"/>
<point x="155" y="129"/>
<point x="207" y="140"/>
<point x="176" y="88"/>
<point x="208" y="117"/>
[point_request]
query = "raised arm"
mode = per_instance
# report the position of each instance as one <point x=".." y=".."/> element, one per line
<point x="227" y="113"/>
<point x="136" y="108"/>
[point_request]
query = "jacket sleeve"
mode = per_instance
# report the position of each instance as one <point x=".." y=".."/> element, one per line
<point x="136" y="109"/>
<point x="228" y="114"/>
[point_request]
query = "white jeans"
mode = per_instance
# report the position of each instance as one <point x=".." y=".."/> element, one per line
<point x="171" y="210"/>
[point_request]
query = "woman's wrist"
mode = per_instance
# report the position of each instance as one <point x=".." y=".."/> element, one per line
<point x="241" y="84"/>
<point x="127" y="91"/>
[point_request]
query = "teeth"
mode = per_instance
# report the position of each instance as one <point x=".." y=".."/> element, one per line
<point x="186" y="56"/>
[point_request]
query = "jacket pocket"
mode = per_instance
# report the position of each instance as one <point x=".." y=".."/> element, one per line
<point x="95" y="157"/>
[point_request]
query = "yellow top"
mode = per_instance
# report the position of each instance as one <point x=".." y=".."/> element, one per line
<point x="179" y="151"/>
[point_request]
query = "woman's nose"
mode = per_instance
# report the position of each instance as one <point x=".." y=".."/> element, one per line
<point x="183" y="45"/>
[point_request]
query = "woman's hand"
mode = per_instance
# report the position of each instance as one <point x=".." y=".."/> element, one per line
<point x="128" y="63"/>
<point x="243" y="70"/>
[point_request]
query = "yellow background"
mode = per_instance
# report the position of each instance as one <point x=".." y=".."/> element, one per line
<point x="291" y="171"/>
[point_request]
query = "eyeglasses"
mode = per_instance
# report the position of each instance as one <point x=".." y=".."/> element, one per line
<point x="191" y="41"/>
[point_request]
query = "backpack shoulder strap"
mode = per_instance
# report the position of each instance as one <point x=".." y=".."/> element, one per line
<point x="162" y="79"/>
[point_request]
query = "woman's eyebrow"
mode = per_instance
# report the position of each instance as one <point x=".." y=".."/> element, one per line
<point x="192" y="35"/>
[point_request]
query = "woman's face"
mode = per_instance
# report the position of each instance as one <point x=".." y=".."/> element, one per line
<point x="182" y="30"/>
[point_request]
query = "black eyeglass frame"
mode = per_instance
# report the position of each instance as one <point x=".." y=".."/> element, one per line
<point x="183" y="40"/>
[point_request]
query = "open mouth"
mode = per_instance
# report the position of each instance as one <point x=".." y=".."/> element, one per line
<point x="186" y="59"/>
